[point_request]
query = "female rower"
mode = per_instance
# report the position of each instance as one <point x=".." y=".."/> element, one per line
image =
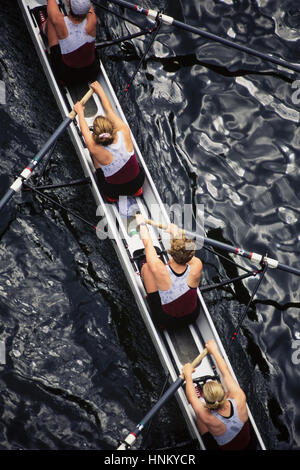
<point x="171" y="288"/>
<point x="71" y="40"/>
<point x="222" y="416"/>
<point x="111" y="147"/>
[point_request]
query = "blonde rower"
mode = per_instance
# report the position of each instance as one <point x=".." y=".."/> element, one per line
<point x="111" y="147"/>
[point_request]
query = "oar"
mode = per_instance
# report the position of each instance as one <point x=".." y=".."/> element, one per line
<point x="26" y="173"/>
<point x="131" y="438"/>
<point x="152" y="14"/>
<point x="254" y="257"/>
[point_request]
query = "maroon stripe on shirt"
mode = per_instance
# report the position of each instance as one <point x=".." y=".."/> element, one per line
<point x="81" y="57"/>
<point x="127" y="173"/>
<point x="240" y="441"/>
<point x="183" y="305"/>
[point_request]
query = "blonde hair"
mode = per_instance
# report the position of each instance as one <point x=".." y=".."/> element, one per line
<point x="103" y="131"/>
<point x="182" y="249"/>
<point x="214" y="395"/>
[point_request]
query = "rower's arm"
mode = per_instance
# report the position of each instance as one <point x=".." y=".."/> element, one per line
<point x="230" y="383"/>
<point x="53" y="11"/>
<point x="196" y="271"/>
<point x="109" y="111"/>
<point x="91" y="13"/>
<point x="155" y="264"/>
<point x="91" y="27"/>
<point x="191" y="393"/>
<point x="86" y="133"/>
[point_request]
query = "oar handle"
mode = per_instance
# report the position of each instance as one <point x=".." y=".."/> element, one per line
<point x="197" y="360"/>
<point x="83" y="100"/>
<point x="156" y="224"/>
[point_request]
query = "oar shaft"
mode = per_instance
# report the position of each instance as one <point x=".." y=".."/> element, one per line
<point x="7" y="197"/>
<point x="26" y="173"/>
<point x="131" y="438"/>
<point x="254" y="257"/>
<point x="171" y="21"/>
<point x="240" y="47"/>
<point x="288" y="269"/>
<point x="45" y="196"/>
<point x="48" y="145"/>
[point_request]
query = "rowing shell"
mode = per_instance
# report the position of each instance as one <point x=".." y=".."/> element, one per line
<point x="173" y="348"/>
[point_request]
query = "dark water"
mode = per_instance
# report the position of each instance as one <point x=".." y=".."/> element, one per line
<point x="80" y="369"/>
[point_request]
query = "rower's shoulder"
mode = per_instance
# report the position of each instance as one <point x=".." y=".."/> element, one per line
<point x="204" y="414"/>
<point x="195" y="272"/>
<point x="91" y="16"/>
<point x="238" y="395"/>
<point x="196" y="264"/>
<point x="100" y="153"/>
<point x="91" y="23"/>
<point x="123" y="127"/>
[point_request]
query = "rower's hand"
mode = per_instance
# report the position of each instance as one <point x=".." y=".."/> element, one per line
<point x="187" y="370"/>
<point x="96" y="87"/>
<point x="211" y="346"/>
<point x="139" y="219"/>
<point x="79" y="108"/>
<point x="174" y="230"/>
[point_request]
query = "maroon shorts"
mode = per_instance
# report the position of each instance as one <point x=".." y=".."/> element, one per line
<point x="125" y="189"/>
<point x="66" y="75"/>
<point x="161" y="318"/>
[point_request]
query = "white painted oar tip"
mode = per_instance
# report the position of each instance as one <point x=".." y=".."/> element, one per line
<point x="122" y="447"/>
<point x="128" y="442"/>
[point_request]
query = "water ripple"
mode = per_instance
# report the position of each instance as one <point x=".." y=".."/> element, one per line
<point x="80" y="368"/>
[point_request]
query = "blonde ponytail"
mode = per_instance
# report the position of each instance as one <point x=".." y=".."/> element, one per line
<point x="214" y="395"/>
<point x="103" y="131"/>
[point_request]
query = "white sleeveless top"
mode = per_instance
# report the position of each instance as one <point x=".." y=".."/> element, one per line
<point x="77" y="37"/>
<point x="233" y="424"/>
<point x="178" y="288"/>
<point x="120" y="156"/>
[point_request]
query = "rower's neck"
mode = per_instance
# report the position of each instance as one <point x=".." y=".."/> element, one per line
<point x="178" y="268"/>
<point x="75" y="20"/>
<point x="225" y="408"/>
